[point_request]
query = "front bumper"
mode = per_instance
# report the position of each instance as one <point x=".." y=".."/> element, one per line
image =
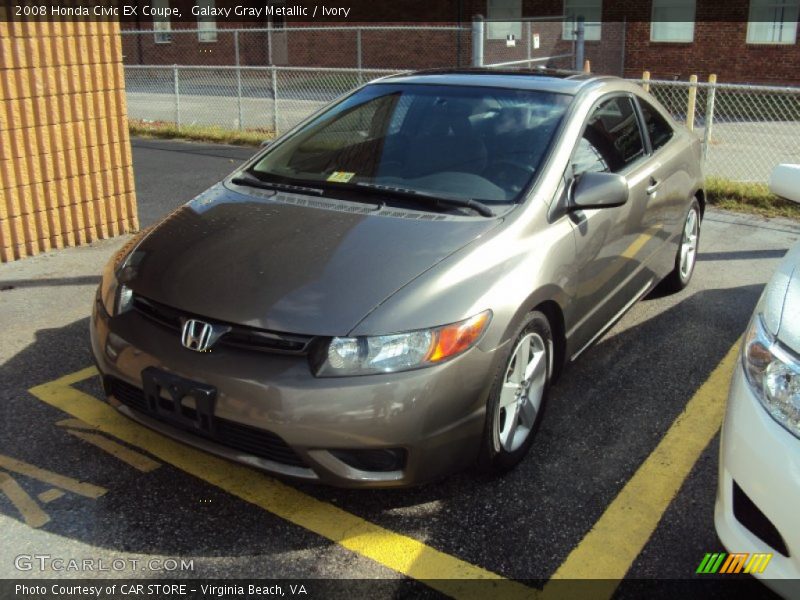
<point x="433" y="416"/>
<point x="763" y="460"/>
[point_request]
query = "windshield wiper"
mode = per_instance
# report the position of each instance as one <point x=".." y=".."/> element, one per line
<point x="252" y="181"/>
<point x="478" y="207"/>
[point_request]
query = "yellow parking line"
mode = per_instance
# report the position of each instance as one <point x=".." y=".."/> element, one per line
<point x="134" y="459"/>
<point x="400" y="553"/>
<point x="614" y="542"/>
<point x="49" y="495"/>
<point x="74" y="423"/>
<point x="30" y="511"/>
<point x="67" y="483"/>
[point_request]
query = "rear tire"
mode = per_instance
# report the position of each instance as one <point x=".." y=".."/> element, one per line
<point x="686" y="257"/>
<point x="518" y="396"/>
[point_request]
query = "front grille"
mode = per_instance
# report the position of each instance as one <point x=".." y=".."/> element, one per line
<point x="251" y="440"/>
<point x="246" y="338"/>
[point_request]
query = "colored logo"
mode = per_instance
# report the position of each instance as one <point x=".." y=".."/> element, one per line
<point x="741" y="562"/>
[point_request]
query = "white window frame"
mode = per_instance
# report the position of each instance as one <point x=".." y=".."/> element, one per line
<point x="592" y="30"/>
<point x="786" y="27"/>
<point x="671" y="33"/>
<point x="162" y="27"/>
<point x="206" y="26"/>
<point x="503" y="9"/>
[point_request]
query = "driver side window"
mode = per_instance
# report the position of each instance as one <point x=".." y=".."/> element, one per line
<point x="611" y="140"/>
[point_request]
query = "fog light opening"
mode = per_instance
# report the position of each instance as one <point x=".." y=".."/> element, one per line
<point x="380" y="460"/>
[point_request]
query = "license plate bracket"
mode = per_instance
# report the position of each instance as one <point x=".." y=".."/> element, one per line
<point x="196" y="414"/>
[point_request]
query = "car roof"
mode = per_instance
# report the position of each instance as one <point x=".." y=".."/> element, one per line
<point x="541" y="79"/>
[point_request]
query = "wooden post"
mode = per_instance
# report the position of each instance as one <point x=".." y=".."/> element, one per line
<point x="587" y="66"/>
<point x="710" y="98"/>
<point x="646" y="84"/>
<point x="692" y="101"/>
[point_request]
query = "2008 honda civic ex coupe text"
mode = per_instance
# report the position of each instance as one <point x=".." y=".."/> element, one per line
<point x="385" y="294"/>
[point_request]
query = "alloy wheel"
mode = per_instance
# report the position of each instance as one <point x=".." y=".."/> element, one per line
<point x="522" y="392"/>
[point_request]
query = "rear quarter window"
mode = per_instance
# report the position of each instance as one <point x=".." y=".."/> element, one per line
<point x="658" y="129"/>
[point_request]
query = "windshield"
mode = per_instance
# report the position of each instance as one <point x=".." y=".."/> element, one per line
<point x="460" y="142"/>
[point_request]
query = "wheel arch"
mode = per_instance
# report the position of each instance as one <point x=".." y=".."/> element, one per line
<point x="550" y="301"/>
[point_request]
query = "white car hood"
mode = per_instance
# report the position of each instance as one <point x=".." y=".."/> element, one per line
<point x="780" y="303"/>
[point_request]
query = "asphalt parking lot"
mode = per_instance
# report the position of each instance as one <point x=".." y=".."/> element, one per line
<point x="620" y="481"/>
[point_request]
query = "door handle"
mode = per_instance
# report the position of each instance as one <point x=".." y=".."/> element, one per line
<point x="653" y="187"/>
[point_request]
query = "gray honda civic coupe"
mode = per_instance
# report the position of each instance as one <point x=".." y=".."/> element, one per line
<point x="386" y="293"/>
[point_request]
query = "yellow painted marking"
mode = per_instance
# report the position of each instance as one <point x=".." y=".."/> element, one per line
<point x="50" y="495"/>
<point x="30" y="511"/>
<point x="614" y="542"/>
<point x="61" y="481"/>
<point x="126" y="455"/>
<point x="74" y="423"/>
<point x="400" y="553"/>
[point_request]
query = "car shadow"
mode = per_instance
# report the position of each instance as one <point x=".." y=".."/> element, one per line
<point x="604" y="417"/>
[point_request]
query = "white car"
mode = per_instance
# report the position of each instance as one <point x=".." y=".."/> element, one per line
<point x="757" y="509"/>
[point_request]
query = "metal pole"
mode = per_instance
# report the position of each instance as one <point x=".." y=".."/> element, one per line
<point x="477" y="41"/>
<point x="275" y="101"/>
<point x="359" y="59"/>
<point x="712" y="91"/>
<point x="238" y="79"/>
<point x="580" y="36"/>
<point x="530" y="40"/>
<point x="176" y="91"/>
<point x="269" y="44"/>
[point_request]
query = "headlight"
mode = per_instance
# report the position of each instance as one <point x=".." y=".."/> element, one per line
<point x="116" y="297"/>
<point x="774" y="375"/>
<point x="401" y="351"/>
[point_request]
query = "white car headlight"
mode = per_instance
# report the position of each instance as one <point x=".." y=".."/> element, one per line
<point x="401" y="351"/>
<point x="116" y="297"/>
<point x="774" y="374"/>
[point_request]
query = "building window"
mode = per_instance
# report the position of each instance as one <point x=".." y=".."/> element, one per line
<point x="592" y="13"/>
<point x="206" y="26"/>
<point x="504" y="19"/>
<point x="672" y="21"/>
<point x="162" y="27"/>
<point x="773" y="21"/>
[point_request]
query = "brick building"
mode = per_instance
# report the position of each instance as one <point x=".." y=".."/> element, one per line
<point x="749" y="41"/>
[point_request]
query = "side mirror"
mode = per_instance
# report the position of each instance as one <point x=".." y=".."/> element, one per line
<point x="599" y="190"/>
<point x="785" y="182"/>
<point x="265" y="143"/>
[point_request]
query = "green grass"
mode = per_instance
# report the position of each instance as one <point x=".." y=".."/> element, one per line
<point x="753" y="198"/>
<point x="198" y="133"/>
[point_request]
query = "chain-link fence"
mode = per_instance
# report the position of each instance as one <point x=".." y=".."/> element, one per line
<point x="268" y="99"/>
<point x="746" y="130"/>
<point x="238" y="79"/>
<point x="552" y="42"/>
<point x="362" y="47"/>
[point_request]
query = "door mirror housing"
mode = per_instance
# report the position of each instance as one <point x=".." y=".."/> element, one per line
<point x="599" y="190"/>
<point x="265" y="143"/>
<point x="785" y="182"/>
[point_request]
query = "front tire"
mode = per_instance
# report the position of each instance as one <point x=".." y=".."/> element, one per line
<point x="686" y="257"/>
<point x="518" y="396"/>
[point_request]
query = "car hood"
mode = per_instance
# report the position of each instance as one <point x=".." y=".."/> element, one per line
<point x="289" y="263"/>
<point x="781" y="301"/>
